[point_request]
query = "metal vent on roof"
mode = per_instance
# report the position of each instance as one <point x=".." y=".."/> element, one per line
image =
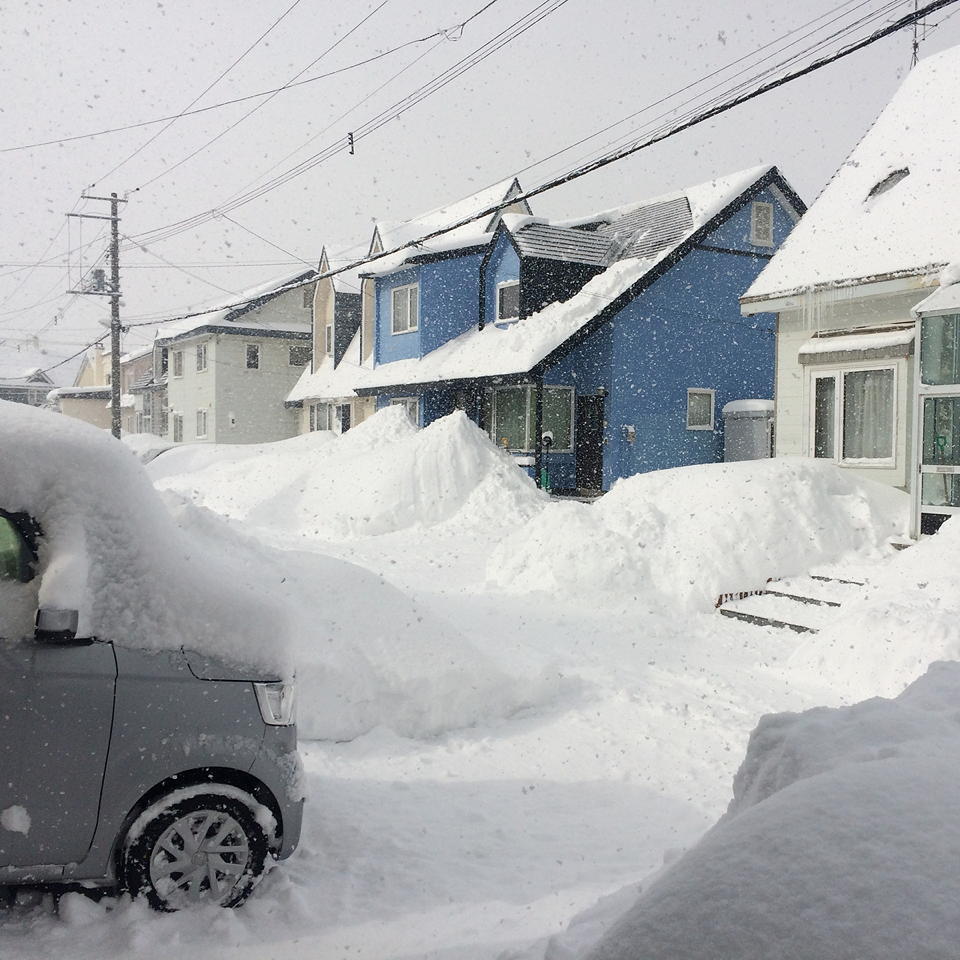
<point x="888" y="182"/>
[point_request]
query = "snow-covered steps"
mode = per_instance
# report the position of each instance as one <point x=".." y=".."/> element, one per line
<point x="822" y="591"/>
<point x="802" y="604"/>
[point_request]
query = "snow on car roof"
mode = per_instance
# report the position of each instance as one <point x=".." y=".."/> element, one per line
<point x="892" y="208"/>
<point x="135" y="577"/>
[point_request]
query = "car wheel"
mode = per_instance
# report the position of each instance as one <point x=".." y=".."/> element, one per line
<point x="202" y="848"/>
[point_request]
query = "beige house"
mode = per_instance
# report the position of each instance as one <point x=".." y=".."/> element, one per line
<point x="844" y="283"/>
<point x="229" y="370"/>
<point x="89" y="397"/>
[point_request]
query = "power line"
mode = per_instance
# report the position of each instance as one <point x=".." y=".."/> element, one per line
<point x="269" y="243"/>
<point x="263" y="103"/>
<point x="608" y="159"/>
<point x="200" y="96"/>
<point x="515" y="29"/>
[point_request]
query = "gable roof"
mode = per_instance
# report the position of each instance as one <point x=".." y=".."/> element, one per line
<point x="26" y="364"/>
<point x="226" y="316"/>
<point x="872" y="221"/>
<point x="534" y="340"/>
<point x="392" y="234"/>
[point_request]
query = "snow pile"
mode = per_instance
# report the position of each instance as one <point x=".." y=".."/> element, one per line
<point x="841" y="841"/>
<point x="111" y="552"/>
<point x="365" y="654"/>
<point x="380" y="477"/>
<point x="147" y="446"/>
<point x="908" y="616"/>
<point x="693" y="533"/>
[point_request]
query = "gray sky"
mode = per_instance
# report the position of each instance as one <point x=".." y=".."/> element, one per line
<point x="70" y="67"/>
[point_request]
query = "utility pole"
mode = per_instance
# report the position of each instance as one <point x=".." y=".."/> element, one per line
<point x="96" y="288"/>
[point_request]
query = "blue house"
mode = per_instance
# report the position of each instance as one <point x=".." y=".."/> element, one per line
<point x="591" y="349"/>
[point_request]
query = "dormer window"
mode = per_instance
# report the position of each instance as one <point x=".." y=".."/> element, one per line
<point x="761" y="224"/>
<point x="405" y="304"/>
<point x="508" y="301"/>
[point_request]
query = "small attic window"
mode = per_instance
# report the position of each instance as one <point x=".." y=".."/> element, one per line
<point x="888" y="182"/>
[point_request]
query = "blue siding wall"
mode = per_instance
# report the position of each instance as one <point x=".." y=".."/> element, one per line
<point x="449" y="303"/>
<point x="503" y="266"/>
<point x="685" y="331"/>
<point x="735" y="232"/>
<point x="396" y="346"/>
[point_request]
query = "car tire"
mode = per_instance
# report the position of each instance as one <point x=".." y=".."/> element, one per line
<point x="198" y="846"/>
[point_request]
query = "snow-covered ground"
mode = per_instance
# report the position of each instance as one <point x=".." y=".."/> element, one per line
<point x="513" y="707"/>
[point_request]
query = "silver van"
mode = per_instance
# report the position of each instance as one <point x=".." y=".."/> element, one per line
<point x="168" y="775"/>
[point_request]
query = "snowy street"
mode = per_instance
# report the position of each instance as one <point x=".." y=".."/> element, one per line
<point x="614" y="750"/>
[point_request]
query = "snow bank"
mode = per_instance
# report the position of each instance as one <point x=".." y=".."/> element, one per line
<point x="695" y="532"/>
<point x="365" y="654"/>
<point x="908" y="616"/>
<point x="841" y="841"/>
<point x="146" y="446"/>
<point x="380" y="477"/>
<point x="111" y="552"/>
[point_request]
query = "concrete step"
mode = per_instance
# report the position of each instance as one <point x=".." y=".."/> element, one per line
<point x="831" y="593"/>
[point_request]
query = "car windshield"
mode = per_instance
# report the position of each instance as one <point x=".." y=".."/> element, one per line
<point x="18" y="585"/>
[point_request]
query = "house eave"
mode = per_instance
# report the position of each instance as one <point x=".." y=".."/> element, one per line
<point x="876" y="285"/>
<point x="211" y="329"/>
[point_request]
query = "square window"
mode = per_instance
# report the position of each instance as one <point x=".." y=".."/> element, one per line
<point x="761" y="224"/>
<point x="508" y="301"/>
<point x="405" y="308"/>
<point x="253" y="356"/>
<point x="300" y="355"/>
<point x="700" y="408"/>
<point x="201" y="357"/>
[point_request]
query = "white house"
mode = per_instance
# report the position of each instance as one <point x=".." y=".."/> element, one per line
<point x="937" y="420"/>
<point x="844" y="283"/>
<point x="229" y="370"/>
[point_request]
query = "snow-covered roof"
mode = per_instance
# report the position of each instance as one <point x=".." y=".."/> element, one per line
<point x="946" y="298"/>
<point x="98" y="391"/>
<point x="236" y="310"/>
<point x="499" y="350"/>
<point x="22" y="363"/>
<point x="393" y="234"/>
<point x="893" y="208"/>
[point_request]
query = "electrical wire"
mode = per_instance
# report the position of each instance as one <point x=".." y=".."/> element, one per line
<point x="608" y="159"/>
<point x="262" y="104"/>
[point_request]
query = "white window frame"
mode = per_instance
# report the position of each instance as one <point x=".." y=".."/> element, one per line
<point x="328" y="339"/>
<point x="176" y="367"/>
<point x="307" y="354"/>
<point x="757" y="239"/>
<point x="321" y="411"/>
<point x="201" y="420"/>
<point x="532" y="414"/>
<point x="411" y="405"/>
<point x="177" y="427"/>
<point x="412" y="293"/>
<point x="837" y="372"/>
<point x="713" y="408"/>
<point x="201" y="357"/>
<point x="246" y="356"/>
<point x="500" y="287"/>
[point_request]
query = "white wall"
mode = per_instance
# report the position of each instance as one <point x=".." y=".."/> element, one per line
<point x="837" y="311"/>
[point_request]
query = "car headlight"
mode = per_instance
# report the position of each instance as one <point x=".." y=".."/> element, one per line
<point x="276" y="702"/>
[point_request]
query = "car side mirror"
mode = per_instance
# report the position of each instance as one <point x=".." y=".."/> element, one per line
<point x="56" y="626"/>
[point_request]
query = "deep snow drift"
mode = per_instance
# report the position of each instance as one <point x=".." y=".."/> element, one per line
<point x="841" y="841"/>
<point x="908" y="617"/>
<point x="383" y="476"/>
<point x="692" y="533"/>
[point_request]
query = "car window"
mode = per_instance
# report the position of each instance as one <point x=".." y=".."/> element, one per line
<point x="18" y="582"/>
